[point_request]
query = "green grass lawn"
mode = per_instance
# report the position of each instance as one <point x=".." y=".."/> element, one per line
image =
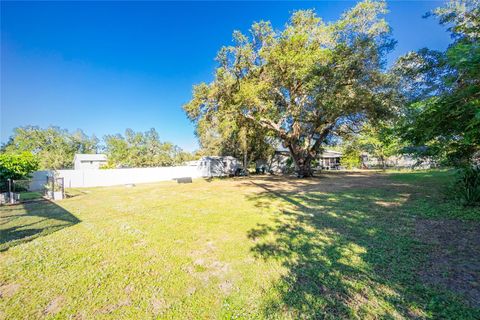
<point x="30" y="195"/>
<point x="338" y="246"/>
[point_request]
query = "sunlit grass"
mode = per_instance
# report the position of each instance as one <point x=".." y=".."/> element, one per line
<point x="222" y="249"/>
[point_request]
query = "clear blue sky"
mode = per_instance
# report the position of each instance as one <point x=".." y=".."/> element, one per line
<point x="104" y="67"/>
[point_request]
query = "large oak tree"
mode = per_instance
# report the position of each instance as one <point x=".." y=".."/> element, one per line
<point x="304" y="83"/>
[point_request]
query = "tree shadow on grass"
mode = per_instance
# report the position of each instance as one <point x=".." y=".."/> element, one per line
<point x="27" y="221"/>
<point x="348" y="254"/>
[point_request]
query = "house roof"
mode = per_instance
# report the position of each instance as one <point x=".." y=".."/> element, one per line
<point x="90" y="157"/>
<point x="324" y="154"/>
<point x="281" y="148"/>
<point x="330" y="154"/>
<point x="218" y="158"/>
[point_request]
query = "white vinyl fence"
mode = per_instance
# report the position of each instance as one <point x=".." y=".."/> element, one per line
<point x="112" y="177"/>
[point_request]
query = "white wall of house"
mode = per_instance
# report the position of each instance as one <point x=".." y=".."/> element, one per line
<point x="278" y="163"/>
<point x="89" y="161"/>
<point x="218" y="166"/>
<point x="328" y="159"/>
<point x="89" y="164"/>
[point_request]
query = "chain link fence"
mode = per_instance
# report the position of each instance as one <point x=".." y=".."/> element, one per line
<point x="25" y="190"/>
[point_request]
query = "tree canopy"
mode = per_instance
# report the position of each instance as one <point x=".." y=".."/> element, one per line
<point x="17" y="166"/>
<point x="301" y="84"/>
<point x="138" y="149"/>
<point x="380" y="140"/>
<point x="55" y="148"/>
<point x="442" y="89"/>
<point x="234" y="137"/>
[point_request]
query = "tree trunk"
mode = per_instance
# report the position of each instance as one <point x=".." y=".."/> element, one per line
<point x="304" y="170"/>
<point x="303" y="163"/>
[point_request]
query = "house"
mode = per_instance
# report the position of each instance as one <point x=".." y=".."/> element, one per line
<point x="280" y="163"/>
<point x="329" y="159"/>
<point x="218" y="166"/>
<point x="192" y="163"/>
<point x="89" y="161"/>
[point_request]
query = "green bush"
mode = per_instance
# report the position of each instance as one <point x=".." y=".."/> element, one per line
<point x="289" y="165"/>
<point x="17" y="165"/>
<point x="350" y="158"/>
<point x="468" y="186"/>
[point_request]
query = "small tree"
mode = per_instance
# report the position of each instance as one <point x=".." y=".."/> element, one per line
<point x="350" y="158"/>
<point x="379" y="141"/>
<point x="17" y="166"/>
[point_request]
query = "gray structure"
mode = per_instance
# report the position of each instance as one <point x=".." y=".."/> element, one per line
<point x="327" y="160"/>
<point x="218" y="166"/>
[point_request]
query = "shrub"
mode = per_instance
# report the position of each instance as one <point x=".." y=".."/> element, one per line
<point x="350" y="158"/>
<point x="17" y="165"/>
<point x="468" y="186"/>
<point x="289" y="165"/>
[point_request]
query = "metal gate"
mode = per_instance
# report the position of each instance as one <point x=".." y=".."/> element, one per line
<point x="25" y="190"/>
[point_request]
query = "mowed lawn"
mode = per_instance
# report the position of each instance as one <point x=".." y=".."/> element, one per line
<point x="342" y="245"/>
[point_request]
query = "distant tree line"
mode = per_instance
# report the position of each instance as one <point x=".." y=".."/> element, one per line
<point x="142" y="149"/>
<point x="55" y="148"/>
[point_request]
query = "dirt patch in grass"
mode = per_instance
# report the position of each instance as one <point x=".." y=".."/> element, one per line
<point x="191" y="291"/>
<point x="326" y="182"/>
<point x="112" y="307"/>
<point x="54" y="306"/>
<point x="454" y="256"/>
<point x="204" y="266"/>
<point x="159" y="305"/>
<point x="129" y="289"/>
<point x="226" y="287"/>
<point x="8" y="290"/>
<point x="386" y="204"/>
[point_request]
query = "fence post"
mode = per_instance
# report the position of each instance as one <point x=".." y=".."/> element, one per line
<point x="63" y="187"/>
<point x="10" y="194"/>
<point x="53" y="188"/>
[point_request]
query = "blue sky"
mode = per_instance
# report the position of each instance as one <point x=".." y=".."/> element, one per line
<point x="107" y="66"/>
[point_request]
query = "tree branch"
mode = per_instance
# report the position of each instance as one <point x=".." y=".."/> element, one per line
<point x="324" y="132"/>
<point x="268" y="124"/>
